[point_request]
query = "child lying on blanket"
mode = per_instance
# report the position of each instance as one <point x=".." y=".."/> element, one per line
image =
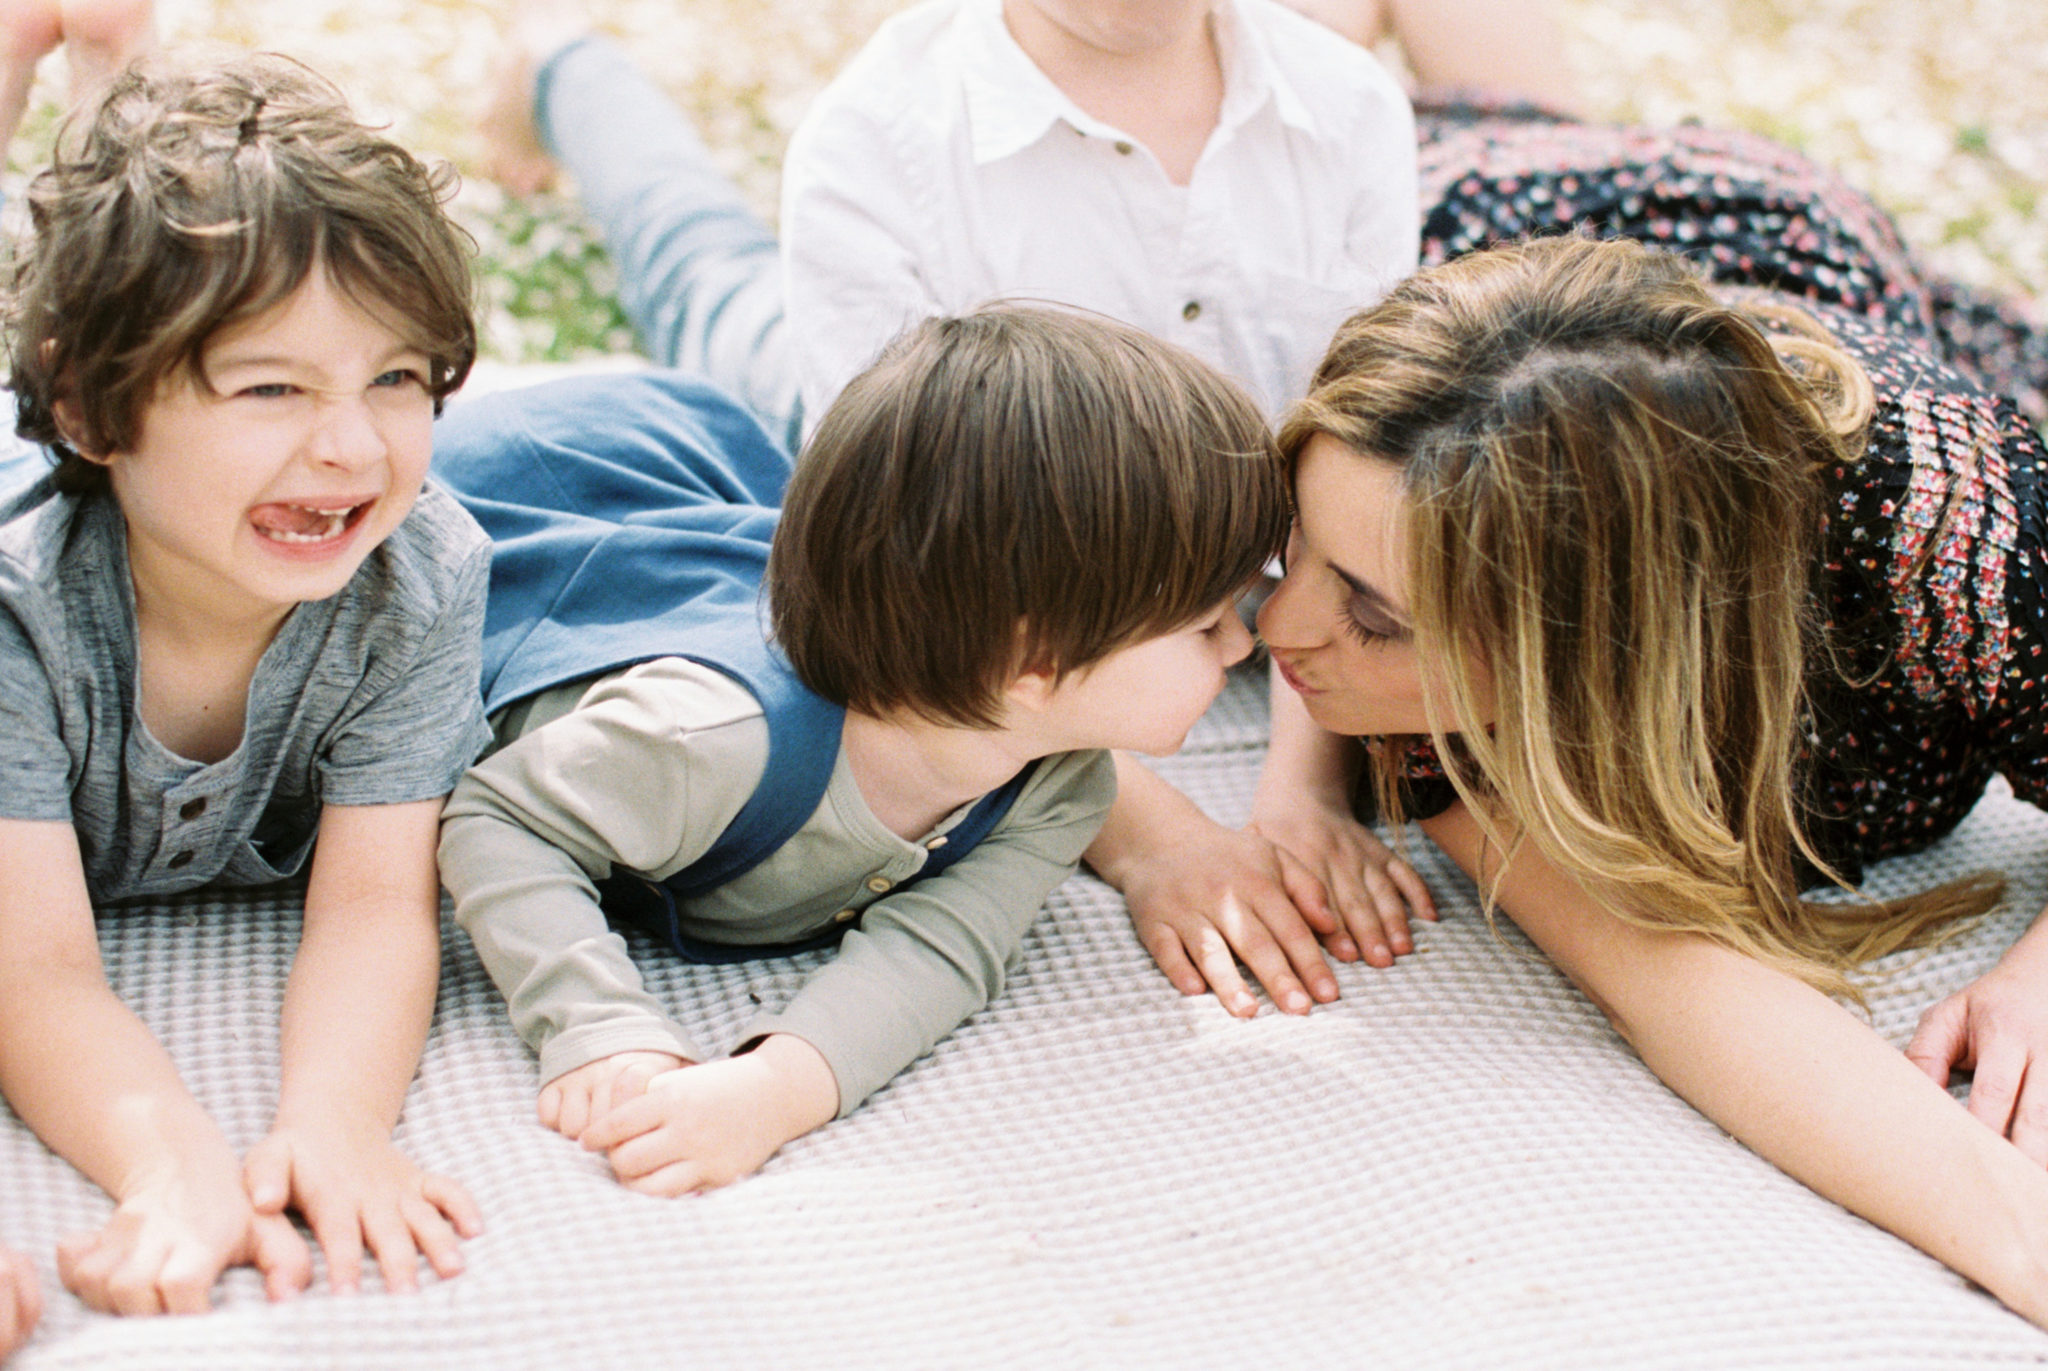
<point x="1015" y="542"/>
<point x="231" y="622"/>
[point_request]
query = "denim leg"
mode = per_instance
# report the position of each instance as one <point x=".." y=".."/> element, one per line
<point x="698" y="272"/>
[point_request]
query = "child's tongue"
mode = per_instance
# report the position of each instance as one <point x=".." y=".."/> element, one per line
<point x="296" y="520"/>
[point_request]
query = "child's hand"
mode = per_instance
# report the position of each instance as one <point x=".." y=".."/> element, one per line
<point x="21" y="1300"/>
<point x="360" y="1190"/>
<point x="1373" y="891"/>
<point x="576" y="1099"/>
<point x="701" y="1127"/>
<point x="168" y="1242"/>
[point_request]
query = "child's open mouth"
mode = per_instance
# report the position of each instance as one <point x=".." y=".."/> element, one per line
<point x="304" y="524"/>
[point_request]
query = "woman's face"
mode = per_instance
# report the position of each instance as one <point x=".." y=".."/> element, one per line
<point x="1338" y="626"/>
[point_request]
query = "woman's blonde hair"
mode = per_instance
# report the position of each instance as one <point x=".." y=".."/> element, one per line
<point x="1614" y="489"/>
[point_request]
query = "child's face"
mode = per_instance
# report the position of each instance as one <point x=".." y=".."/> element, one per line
<point x="1145" y="697"/>
<point x="272" y="488"/>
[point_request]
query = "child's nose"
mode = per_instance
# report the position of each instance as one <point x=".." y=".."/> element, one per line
<point x="347" y="434"/>
<point x="1236" y="640"/>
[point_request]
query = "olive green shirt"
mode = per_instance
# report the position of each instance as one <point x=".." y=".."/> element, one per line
<point x="642" y="770"/>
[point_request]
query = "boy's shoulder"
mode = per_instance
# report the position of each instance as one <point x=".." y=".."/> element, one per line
<point x="51" y="541"/>
<point x="430" y="560"/>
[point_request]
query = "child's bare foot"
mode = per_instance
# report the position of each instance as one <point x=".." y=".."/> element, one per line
<point x="514" y="155"/>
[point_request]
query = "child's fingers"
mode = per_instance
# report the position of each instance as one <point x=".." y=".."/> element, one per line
<point x="184" y="1282"/>
<point x="434" y="1236"/>
<point x="632" y="1081"/>
<point x="549" y="1105"/>
<point x="28" y="1299"/>
<point x="267" y="1175"/>
<point x="629" y="1120"/>
<point x="76" y="1264"/>
<point x="452" y="1198"/>
<point x="668" y="1182"/>
<point x="391" y="1243"/>
<point x="131" y="1284"/>
<point x="340" y="1235"/>
<point x="281" y="1255"/>
<point x="646" y="1154"/>
<point x="575" y="1110"/>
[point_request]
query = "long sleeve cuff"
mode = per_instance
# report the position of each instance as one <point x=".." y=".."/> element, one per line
<point x="587" y="1043"/>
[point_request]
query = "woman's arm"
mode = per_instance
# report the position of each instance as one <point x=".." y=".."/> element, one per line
<point x="355" y="1018"/>
<point x="84" y="1072"/>
<point x="1792" y="1074"/>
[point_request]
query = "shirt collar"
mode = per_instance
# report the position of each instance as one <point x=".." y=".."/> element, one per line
<point x="1011" y="103"/>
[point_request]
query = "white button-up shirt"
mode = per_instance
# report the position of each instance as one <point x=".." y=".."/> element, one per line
<point x="943" y="169"/>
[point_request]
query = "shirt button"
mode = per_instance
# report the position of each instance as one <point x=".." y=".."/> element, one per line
<point x="1191" y="311"/>
<point x="1123" y="147"/>
<point x="878" y="884"/>
<point x="846" y="916"/>
<point x="192" y="809"/>
<point x="935" y="844"/>
<point x="183" y="859"/>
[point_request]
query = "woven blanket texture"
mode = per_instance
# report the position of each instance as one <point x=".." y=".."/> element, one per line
<point x="1458" y="1165"/>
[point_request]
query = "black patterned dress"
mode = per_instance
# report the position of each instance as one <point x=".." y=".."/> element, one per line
<point x="1934" y="583"/>
<point x="1750" y="210"/>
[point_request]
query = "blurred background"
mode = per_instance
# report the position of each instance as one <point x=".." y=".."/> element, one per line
<point x="1938" y="107"/>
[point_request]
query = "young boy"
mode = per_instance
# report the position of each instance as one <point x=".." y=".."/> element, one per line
<point x="1013" y="543"/>
<point x="1229" y="176"/>
<point x="232" y="622"/>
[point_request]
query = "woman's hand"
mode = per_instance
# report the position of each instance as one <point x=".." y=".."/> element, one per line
<point x="1997" y="1028"/>
<point x="1208" y="896"/>
<point x="1372" y="890"/>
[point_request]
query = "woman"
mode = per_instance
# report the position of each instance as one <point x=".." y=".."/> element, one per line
<point x="1659" y="608"/>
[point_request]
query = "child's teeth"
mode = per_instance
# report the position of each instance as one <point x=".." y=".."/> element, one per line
<point x="336" y="521"/>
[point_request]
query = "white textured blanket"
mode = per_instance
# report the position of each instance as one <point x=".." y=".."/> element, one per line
<point x="1457" y="1166"/>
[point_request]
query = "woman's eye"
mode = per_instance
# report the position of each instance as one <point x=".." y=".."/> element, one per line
<point x="1368" y="625"/>
<point x="399" y="376"/>
<point x="269" y="390"/>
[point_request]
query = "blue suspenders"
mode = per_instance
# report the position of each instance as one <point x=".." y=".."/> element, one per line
<point x="630" y="517"/>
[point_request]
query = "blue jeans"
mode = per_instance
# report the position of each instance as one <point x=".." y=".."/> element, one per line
<point x="698" y="273"/>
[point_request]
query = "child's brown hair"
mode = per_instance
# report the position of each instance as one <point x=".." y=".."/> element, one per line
<point x="191" y="200"/>
<point x="1015" y="489"/>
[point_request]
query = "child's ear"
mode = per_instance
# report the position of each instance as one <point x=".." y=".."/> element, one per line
<point x="70" y="423"/>
<point x="1032" y="690"/>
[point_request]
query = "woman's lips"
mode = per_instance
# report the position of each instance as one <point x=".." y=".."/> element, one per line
<point x="1299" y="686"/>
